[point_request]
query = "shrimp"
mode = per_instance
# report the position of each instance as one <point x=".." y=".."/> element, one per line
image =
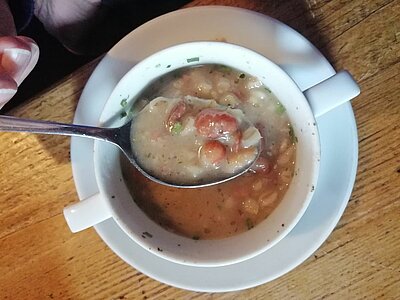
<point x="176" y="113"/>
<point x="213" y="123"/>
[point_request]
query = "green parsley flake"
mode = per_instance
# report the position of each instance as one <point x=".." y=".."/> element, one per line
<point x="224" y="69"/>
<point x="176" y="128"/>
<point x="267" y="89"/>
<point x="123" y="114"/>
<point x="293" y="137"/>
<point x="280" y="109"/>
<point x="193" y="59"/>
<point x="242" y="75"/>
<point x="249" y="223"/>
<point x="124" y="102"/>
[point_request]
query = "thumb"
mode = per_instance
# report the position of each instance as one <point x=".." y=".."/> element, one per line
<point x="8" y="87"/>
<point x="34" y="49"/>
<point x="19" y="56"/>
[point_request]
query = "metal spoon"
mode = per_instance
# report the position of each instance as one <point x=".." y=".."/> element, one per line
<point x="119" y="136"/>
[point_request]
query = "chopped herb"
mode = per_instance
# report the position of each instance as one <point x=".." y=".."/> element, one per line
<point x="169" y="66"/>
<point x="193" y="59"/>
<point x="158" y="65"/>
<point x="293" y="137"/>
<point x="176" y="128"/>
<point x="280" y="109"/>
<point x="147" y="234"/>
<point x="242" y="75"/>
<point x="249" y="223"/>
<point x="312" y="188"/>
<point x="267" y="89"/>
<point x="196" y="237"/>
<point x="123" y="114"/>
<point x="124" y="102"/>
<point x="224" y="69"/>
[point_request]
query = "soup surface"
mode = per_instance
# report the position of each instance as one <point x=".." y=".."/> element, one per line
<point x="238" y="205"/>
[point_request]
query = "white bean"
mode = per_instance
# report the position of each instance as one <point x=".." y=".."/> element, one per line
<point x="203" y="88"/>
<point x="268" y="198"/>
<point x="250" y="206"/>
<point x="229" y="202"/>
<point x="229" y="99"/>
<point x="285" y="157"/>
<point x="223" y="85"/>
<point x="257" y="186"/>
<point x="286" y="176"/>
<point x="178" y="84"/>
<point x="284" y="145"/>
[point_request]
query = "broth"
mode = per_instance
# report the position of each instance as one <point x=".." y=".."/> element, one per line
<point x="238" y="205"/>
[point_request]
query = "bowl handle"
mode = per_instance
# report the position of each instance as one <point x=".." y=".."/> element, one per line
<point x="331" y="93"/>
<point x="87" y="213"/>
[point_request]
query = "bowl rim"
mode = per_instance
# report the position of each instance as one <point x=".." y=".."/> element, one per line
<point x="127" y="77"/>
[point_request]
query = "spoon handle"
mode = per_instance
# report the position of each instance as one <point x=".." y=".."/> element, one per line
<point x="13" y="124"/>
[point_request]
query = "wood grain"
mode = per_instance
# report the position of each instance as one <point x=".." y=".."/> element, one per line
<point x="41" y="259"/>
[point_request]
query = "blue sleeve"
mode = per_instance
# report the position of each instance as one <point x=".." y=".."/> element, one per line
<point x="22" y="11"/>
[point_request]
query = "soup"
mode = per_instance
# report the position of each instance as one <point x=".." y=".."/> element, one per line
<point x="189" y="140"/>
<point x="238" y="205"/>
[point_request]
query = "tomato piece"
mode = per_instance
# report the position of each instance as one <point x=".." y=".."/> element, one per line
<point x="214" y="123"/>
<point x="212" y="152"/>
<point x="176" y="113"/>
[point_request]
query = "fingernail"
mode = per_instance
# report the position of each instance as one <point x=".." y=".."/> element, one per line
<point x="6" y="95"/>
<point x="34" y="49"/>
<point x="15" y="61"/>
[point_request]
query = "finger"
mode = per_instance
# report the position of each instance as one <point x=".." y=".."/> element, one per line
<point x="7" y="42"/>
<point x="19" y="56"/>
<point x="34" y="49"/>
<point x="14" y="61"/>
<point x="8" y="87"/>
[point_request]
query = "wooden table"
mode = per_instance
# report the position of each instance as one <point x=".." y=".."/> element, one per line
<point x="40" y="258"/>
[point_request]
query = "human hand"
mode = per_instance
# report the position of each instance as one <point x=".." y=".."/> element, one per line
<point x="18" y="56"/>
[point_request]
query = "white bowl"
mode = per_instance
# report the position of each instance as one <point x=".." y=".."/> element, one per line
<point x="115" y="201"/>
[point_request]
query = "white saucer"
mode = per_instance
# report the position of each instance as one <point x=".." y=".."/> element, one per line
<point x="304" y="64"/>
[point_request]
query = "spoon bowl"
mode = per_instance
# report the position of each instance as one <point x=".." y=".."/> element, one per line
<point x="119" y="136"/>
